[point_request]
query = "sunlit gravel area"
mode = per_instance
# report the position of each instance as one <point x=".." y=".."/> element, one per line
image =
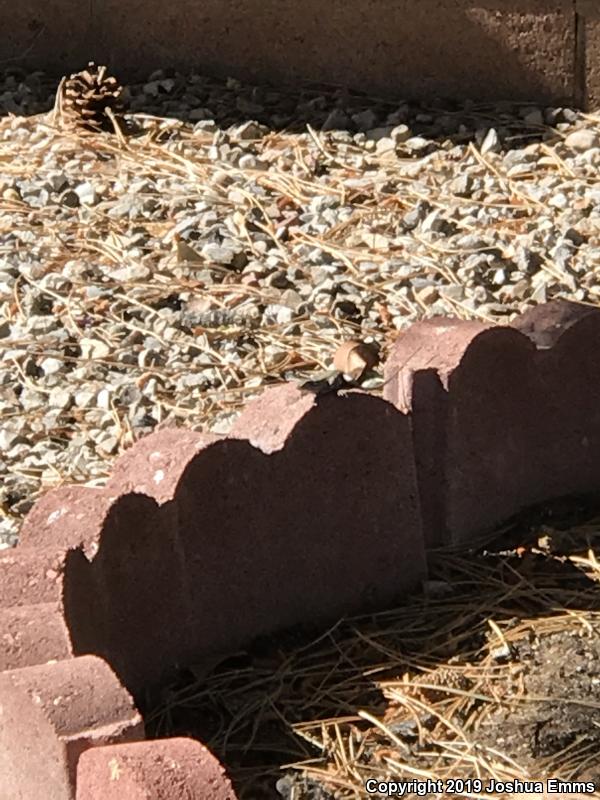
<point x="225" y="237"/>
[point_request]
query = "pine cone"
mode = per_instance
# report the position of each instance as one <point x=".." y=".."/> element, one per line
<point x="87" y="94"/>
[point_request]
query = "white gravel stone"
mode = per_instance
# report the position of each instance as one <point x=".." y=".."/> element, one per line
<point x="94" y="348"/>
<point x="86" y="193"/>
<point x="51" y="366"/>
<point x="59" y="398"/>
<point x="583" y="139"/>
<point x="490" y="143"/>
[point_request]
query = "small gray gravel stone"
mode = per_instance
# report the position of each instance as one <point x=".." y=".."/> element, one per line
<point x="490" y="143"/>
<point x="583" y="139"/>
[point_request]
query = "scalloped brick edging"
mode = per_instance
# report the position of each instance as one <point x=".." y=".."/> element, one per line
<point x="503" y="417"/>
<point x="238" y="527"/>
<point x="315" y="506"/>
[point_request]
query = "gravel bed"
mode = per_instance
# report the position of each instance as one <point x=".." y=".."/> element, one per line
<point x="232" y="236"/>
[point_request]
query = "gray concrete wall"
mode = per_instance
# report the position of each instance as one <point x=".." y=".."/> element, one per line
<point x="539" y="50"/>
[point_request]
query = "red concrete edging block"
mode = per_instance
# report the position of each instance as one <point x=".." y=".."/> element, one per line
<point x="33" y="629"/>
<point x="162" y="769"/>
<point x="503" y="417"/>
<point x="200" y="544"/>
<point x="65" y="517"/>
<point x="33" y="634"/>
<point x="50" y="714"/>
<point x="156" y="463"/>
<point x="72" y="515"/>
<point x="416" y="380"/>
<point x="31" y="575"/>
<point x="341" y="479"/>
<point x="545" y="324"/>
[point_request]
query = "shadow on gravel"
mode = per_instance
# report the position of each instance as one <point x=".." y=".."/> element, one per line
<point x="515" y="620"/>
<point x="199" y="99"/>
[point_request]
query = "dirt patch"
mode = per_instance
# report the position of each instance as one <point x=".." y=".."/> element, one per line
<point x="563" y="670"/>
